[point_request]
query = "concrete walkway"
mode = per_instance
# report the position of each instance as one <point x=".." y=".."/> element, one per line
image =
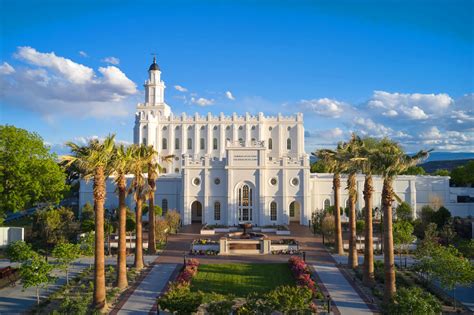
<point x="342" y="293"/>
<point x="144" y="296"/>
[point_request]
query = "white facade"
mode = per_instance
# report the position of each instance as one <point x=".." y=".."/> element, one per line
<point x="232" y="169"/>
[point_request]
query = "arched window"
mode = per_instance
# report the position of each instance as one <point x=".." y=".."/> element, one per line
<point x="327" y="204"/>
<point x="190" y="144"/>
<point x="164" y="206"/>
<point x="164" y="143"/>
<point x="270" y="144"/>
<point x="164" y="170"/>
<point x="273" y="211"/>
<point x="217" y="210"/>
<point x="288" y="144"/>
<point x="202" y="144"/>
<point x="176" y="144"/>
<point x="214" y="144"/>
<point x="144" y="141"/>
<point x="176" y="170"/>
<point x="292" y="209"/>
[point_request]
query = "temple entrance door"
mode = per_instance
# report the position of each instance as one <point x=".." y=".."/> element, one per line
<point x="294" y="211"/>
<point x="196" y="212"/>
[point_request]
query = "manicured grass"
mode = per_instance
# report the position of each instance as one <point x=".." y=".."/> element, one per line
<point x="241" y="279"/>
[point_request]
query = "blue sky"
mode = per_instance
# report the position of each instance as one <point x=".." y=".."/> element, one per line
<point x="402" y="69"/>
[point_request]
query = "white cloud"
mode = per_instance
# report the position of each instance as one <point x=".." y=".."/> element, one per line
<point x="414" y="112"/>
<point x="180" y="88"/>
<point x="111" y="60"/>
<point x="229" y="95"/>
<point x="325" y="107"/>
<point x="414" y="106"/>
<point x="368" y="127"/>
<point x="54" y="85"/>
<point x="201" y="101"/>
<point x="69" y="70"/>
<point x="6" y="68"/>
<point x="83" y="54"/>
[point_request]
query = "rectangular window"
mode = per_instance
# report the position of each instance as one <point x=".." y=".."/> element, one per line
<point x="214" y="144"/>
<point x="176" y="144"/>
<point x="190" y="144"/>
<point x="202" y="144"/>
<point x="144" y="141"/>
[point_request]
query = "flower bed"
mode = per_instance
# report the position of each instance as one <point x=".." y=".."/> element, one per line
<point x="302" y="274"/>
<point x="216" y="228"/>
<point x="204" y="246"/>
<point x="189" y="270"/>
<point x="284" y="247"/>
<point x="278" y="229"/>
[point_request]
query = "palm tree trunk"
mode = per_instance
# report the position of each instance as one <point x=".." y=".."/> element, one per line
<point x="368" y="274"/>
<point x="337" y="215"/>
<point x="139" y="235"/>
<point x="388" y="256"/>
<point x="122" y="281"/>
<point x="99" y="259"/>
<point x="151" y="219"/>
<point x="351" y="183"/>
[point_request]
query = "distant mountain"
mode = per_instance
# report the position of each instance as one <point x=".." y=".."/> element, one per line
<point x="449" y="165"/>
<point x="449" y="156"/>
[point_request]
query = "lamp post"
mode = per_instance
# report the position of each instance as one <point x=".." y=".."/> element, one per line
<point x="329" y="303"/>
<point x="184" y="258"/>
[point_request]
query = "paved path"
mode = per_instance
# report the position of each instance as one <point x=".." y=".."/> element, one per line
<point x="144" y="296"/>
<point x="13" y="300"/>
<point x="342" y="293"/>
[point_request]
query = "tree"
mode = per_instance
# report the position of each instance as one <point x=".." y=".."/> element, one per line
<point x="447" y="233"/>
<point x="87" y="218"/>
<point x="441" y="217"/>
<point x="391" y="161"/>
<point x="441" y="172"/>
<point x="402" y="237"/>
<point x="94" y="161"/>
<point x="414" y="301"/>
<point x="415" y="170"/>
<point x="66" y="253"/>
<point x="53" y="225"/>
<point x="463" y="175"/>
<point x="140" y="193"/>
<point x="19" y="251"/>
<point x="332" y="162"/>
<point x="327" y="226"/>
<point x="154" y="169"/>
<point x="28" y="171"/>
<point x="368" y="166"/>
<point x="319" y="167"/>
<point x="404" y="212"/>
<point x="122" y="163"/>
<point x="35" y="272"/>
<point x="173" y="219"/>
<point x="360" y="227"/>
<point x="161" y="229"/>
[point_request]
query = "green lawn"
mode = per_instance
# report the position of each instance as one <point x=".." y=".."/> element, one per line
<point x="241" y="279"/>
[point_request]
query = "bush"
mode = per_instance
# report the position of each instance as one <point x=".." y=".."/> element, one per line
<point x="288" y="299"/>
<point x="414" y="301"/>
<point x="173" y="219"/>
<point x="161" y="230"/>
<point x="220" y="307"/>
<point x="19" y="251"/>
<point x="179" y="299"/>
<point x="404" y="212"/>
<point x="441" y="216"/>
<point x="76" y="306"/>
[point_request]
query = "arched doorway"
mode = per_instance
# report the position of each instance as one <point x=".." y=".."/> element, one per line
<point x="196" y="212"/>
<point x="245" y="203"/>
<point x="294" y="211"/>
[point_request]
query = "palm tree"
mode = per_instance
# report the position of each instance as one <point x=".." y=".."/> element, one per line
<point x="391" y="160"/>
<point x="154" y="168"/>
<point x="121" y="165"/>
<point x="140" y="194"/>
<point x="350" y="155"/>
<point x="367" y="166"/>
<point x="93" y="162"/>
<point x="333" y="164"/>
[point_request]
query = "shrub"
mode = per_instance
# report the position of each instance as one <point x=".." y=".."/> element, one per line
<point x="173" y="219"/>
<point x="404" y="212"/>
<point x="288" y="299"/>
<point x="441" y="216"/>
<point x="179" y="299"/>
<point x="19" y="251"/>
<point x="220" y="307"/>
<point x="161" y="230"/>
<point x="414" y="301"/>
<point x="76" y="306"/>
<point x="302" y="274"/>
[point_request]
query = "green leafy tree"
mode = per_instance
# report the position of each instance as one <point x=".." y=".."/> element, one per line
<point x="327" y="227"/>
<point x="415" y="170"/>
<point x="319" y="167"/>
<point x="404" y="212"/>
<point x="87" y="244"/>
<point x="441" y="217"/>
<point x="36" y="272"/>
<point x="448" y="233"/>
<point x="441" y="172"/>
<point x="87" y="218"/>
<point x="54" y="225"/>
<point x="28" y="171"/>
<point x="174" y="219"/>
<point x="463" y="175"/>
<point x="19" y="251"/>
<point x="402" y="237"/>
<point x="66" y="253"/>
<point x="414" y="301"/>
<point x="158" y="210"/>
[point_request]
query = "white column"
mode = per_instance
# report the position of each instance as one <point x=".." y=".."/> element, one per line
<point x="184" y="138"/>
<point x="197" y="138"/>
<point x="209" y="142"/>
<point x="171" y="139"/>
<point x="222" y="140"/>
<point x="158" y="138"/>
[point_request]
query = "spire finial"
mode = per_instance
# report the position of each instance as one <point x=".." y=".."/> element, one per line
<point x="154" y="57"/>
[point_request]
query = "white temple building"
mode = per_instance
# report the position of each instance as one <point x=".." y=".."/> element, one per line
<point x="232" y="169"/>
